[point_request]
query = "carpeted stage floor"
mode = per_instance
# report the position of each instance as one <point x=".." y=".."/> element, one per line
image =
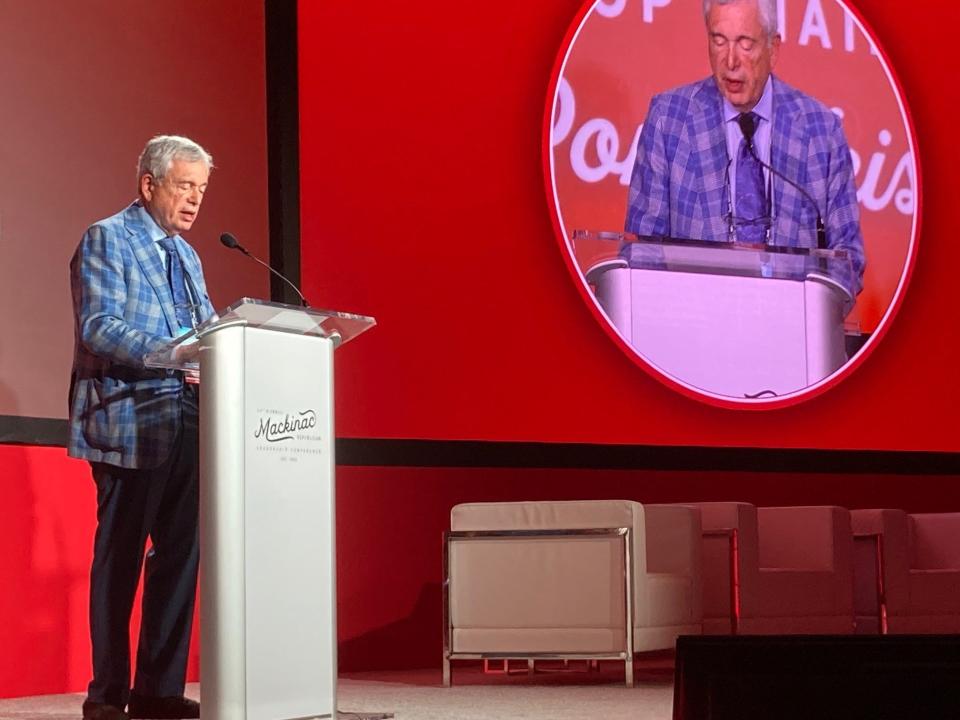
<point x="418" y="695"/>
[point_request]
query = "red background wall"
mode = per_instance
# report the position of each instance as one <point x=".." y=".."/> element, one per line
<point x="389" y="527"/>
<point x="47" y="523"/>
<point x="79" y="97"/>
<point x="423" y="205"/>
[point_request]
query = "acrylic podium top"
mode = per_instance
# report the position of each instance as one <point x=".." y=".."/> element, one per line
<point x="671" y="254"/>
<point x="249" y="312"/>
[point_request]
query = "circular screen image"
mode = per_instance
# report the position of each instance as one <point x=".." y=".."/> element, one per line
<point x="735" y="188"/>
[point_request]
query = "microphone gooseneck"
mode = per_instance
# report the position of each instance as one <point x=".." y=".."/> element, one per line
<point x="231" y="242"/>
<point x="748" y="129"/>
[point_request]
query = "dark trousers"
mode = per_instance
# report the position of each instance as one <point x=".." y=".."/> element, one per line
<point x="132" y="505"/>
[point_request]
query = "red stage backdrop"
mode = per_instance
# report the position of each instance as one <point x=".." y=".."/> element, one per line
<point x="83" y="85"/>
<point x="423" y="204"/>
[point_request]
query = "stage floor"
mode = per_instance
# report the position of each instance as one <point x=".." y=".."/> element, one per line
<point x="418" y="695"/>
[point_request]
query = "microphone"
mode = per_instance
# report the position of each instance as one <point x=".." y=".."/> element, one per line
<point x="231" y="242"/>
<point x="748" y="129"/>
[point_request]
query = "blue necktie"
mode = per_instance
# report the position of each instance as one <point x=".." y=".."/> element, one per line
<point x="750" y="208"/>
<point x="178" y="284"/>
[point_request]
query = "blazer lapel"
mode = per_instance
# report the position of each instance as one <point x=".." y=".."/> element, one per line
<point x="144" y="249"/>
<point x="711" y="149"/>
<point x="789" y="140"/>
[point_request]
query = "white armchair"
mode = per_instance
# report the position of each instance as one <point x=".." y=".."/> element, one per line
<point x="919" y="569"/>
<point x="790" y="572"/>
<point x="533" y="580"/>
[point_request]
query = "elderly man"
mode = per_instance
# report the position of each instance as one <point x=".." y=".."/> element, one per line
<point x="137" y="284"/>
<point x="695" y="175"/>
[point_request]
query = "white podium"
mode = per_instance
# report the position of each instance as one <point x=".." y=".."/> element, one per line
<point x="268" y="634"/>
<point x="738" y="321"/>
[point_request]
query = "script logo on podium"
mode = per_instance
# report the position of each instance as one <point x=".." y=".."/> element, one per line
<point x="288" y="432"/>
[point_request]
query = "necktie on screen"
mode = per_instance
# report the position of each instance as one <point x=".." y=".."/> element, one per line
<point x="178" y="283"/>
<point x="750" y="201"/>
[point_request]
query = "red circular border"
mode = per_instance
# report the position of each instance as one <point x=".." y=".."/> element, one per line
<point x="661" y="376"/>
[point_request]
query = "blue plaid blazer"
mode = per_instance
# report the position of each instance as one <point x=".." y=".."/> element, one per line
<point x="122" y="413"/>
<point x="680" y="188"/>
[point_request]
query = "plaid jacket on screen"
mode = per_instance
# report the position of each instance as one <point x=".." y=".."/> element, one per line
<point x="122" y="413"/>
<point x="680" y="188"/>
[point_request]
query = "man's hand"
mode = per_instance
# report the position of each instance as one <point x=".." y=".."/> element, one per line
<point x="187" y="352"/>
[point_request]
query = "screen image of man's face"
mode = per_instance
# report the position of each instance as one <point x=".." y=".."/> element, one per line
<point x="742" y="54"/>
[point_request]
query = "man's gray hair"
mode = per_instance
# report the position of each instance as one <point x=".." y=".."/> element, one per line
<point x="160" y="152"/>
<point x="767" y="9"/>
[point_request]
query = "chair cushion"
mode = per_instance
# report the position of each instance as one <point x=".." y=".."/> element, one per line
<point x="800" y="593"/>
<point x="541" y="515"/>
<point x="934" y="592"/>
<point x="537" y="583"/>
<point x="667" y="602"/>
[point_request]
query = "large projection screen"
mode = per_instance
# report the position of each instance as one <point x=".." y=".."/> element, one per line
<point x="423" y="203"/>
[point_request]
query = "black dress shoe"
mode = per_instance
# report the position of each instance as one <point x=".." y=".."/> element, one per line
<point x="102" y="711"/>
<point x="162" y="708"/>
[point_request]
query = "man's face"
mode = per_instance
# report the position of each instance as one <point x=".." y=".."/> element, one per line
<point x="175" y="201"/>
<point x="741" y="54"/>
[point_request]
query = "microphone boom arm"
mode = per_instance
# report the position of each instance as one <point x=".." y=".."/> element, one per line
<point x="230" y="241"/>
<point x="748" y="132"/>
<point x="303" y="300"/>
